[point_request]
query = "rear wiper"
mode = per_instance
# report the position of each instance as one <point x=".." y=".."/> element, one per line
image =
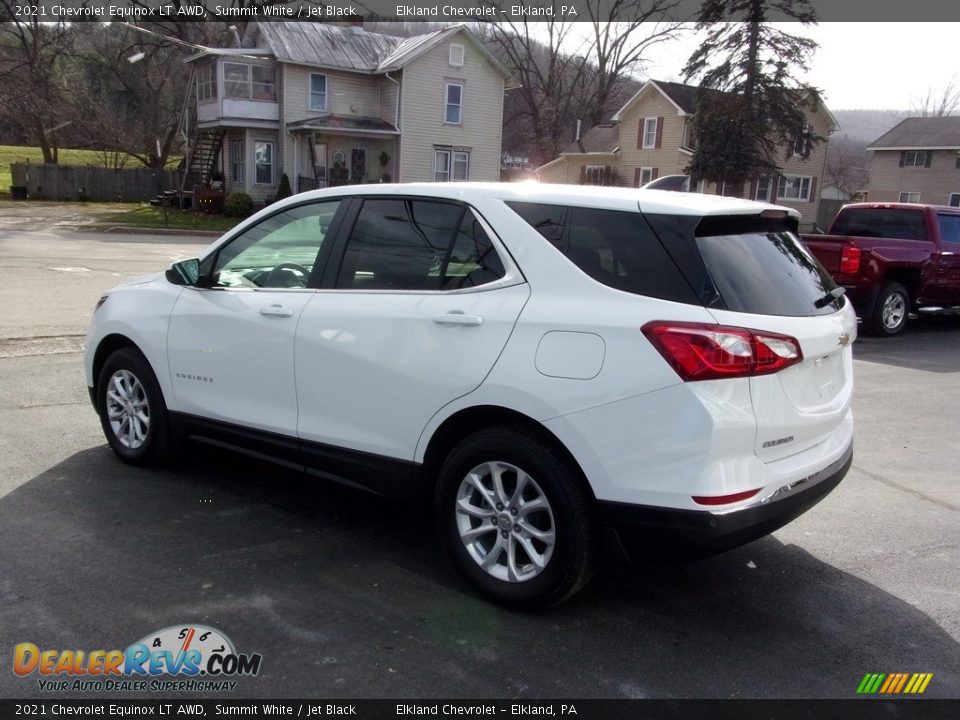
<point x="831" y="296"/>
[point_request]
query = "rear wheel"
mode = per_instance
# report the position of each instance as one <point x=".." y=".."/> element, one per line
<point x="515" y="518"/>
<point x="132" y="411"/>
<point x="890" y="311"/>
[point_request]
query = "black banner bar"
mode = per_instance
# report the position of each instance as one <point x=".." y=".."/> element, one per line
<point x="450" y="11"/>
<point x="857" y="709"/>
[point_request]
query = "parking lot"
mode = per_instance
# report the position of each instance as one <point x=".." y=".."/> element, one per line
<point x="347" y="596"/>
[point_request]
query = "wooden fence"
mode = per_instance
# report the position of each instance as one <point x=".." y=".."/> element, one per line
<point x="89" y="182"/>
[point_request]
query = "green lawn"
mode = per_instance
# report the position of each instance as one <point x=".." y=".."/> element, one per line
<point x="148" y="216"/>
<point x="24" y="153"/>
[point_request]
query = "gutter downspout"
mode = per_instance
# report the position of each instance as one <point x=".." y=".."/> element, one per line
<point x="396" y="117"/>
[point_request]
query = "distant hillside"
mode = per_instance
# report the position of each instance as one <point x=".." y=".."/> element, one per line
<point x="866" y="125"/>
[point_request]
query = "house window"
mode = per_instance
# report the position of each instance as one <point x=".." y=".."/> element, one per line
<point x="456" y="55"/>
<point x="646" y="175"/>
<point x="794" y="187"/>
<point x="801" y="143"/>
<point x="454" y="106"/>
<point x="909" y="197"/>
<point x="236" y="81"/>
<point x="318" y="92"/>
<point x="954" y="200"/>
<point x="263" y="158"/>
<point x="649" y="132"/>
<point x="245" y="82"/>
<point x="451" y="165"/>
<point x="206" y="83"/>
<point x="237" y="162"/>
<point x="763" y="189"/>
<point x="915" y="158"/>
<point x="264" y="84"/>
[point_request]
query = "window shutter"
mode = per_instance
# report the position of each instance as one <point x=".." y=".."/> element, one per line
<point x="774" y="188"/>
<point x="583" y="174"/>
<point x="659" y="132"/>
<point x="640" y="134"/>
<point x="753" y="190"/>
<point x="636" y="177"/>
<point x="813" y="189"/>
<point x="655" y="173"/>
<point x="903" y="155"/>
<point x="929" y="158"/>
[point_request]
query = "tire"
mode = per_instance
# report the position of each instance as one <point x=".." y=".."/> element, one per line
<point x="890" y="310"/>
<point x="132" y="411"/>
<point x="553" y="545"/>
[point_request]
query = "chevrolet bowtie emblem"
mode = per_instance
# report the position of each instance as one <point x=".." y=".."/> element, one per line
<point x="844" y="340"/>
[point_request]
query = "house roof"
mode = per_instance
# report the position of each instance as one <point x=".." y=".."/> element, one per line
<point x="353" y="48"/>
<point x="600" y="138"/>
<point x="921" y="133"/>
<point x="332" y="122"/>
<point x="684" y="98"/>
<point x="326" y="45"/>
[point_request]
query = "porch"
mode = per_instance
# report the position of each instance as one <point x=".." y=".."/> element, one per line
<point x="333" y="150"/>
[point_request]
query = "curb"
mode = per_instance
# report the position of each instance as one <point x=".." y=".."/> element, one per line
<point x="132" y="230"/>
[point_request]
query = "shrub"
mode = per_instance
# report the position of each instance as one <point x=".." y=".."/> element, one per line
<point x="284" y="191"/>
<point x="238" y="205"/>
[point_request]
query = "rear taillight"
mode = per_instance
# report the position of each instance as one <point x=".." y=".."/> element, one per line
<point x="850" y="260"/>
<point x="698" y="351"/>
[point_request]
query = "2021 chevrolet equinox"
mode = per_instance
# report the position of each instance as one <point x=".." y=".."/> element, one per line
<point x="541" y="362"/>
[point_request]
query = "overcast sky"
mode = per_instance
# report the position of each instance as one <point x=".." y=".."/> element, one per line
<point x="859" y="65"/>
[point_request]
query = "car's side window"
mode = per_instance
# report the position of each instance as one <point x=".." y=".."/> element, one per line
<point x="278" y="252"/>
<point x="405" y="244"/>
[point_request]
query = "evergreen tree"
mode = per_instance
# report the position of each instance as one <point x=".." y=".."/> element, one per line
<point x="750" y="103"/>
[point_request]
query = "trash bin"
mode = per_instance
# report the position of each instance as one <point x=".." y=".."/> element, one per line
<point x="18" y="192"/>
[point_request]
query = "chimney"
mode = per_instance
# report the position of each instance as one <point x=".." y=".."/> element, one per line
<point x="577" y="139"/>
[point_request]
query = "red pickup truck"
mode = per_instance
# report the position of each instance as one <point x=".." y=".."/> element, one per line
<point x="893" y="259"/>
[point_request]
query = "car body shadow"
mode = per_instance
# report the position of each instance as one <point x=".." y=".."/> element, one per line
<point x="930" y="343"/>
<point x="347" y="595"/>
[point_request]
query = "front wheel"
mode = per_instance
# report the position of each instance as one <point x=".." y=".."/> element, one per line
<point x="132" y="412"/>
<point x="516" y="519"/>
<point x="890" y="311"/>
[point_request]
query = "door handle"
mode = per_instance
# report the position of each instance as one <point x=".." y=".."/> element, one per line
<point x="276" y="310"/>
<point x="458" y="318"/>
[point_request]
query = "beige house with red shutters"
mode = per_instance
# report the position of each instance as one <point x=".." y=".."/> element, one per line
<point x="650" y="136"/>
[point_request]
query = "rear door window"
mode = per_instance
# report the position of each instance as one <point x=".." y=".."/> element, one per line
<point x="614" y="247"/>
<point x="881" y="222"/>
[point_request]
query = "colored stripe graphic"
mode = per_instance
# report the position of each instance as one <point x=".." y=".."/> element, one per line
<point x="894" y="683"/>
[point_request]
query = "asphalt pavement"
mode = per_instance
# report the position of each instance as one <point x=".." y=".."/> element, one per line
<point x="348" y="596"/>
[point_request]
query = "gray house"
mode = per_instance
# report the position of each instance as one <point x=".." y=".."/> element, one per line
<point x="331" y="105"/>
<point x="917" y="161"/>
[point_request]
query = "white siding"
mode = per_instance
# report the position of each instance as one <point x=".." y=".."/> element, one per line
<point x="351" y="94"/>
<point x="422" y="112"/>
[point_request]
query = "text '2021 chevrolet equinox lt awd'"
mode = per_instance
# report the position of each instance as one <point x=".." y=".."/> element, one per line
<point x="541" y="362"/>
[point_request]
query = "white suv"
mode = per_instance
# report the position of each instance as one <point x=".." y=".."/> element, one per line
<point x="541" y="362"/>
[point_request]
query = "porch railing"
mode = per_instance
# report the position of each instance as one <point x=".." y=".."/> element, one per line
<point x="308" y="183"/>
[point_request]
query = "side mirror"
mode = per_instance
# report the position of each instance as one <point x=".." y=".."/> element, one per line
<point x="185" y="272"/>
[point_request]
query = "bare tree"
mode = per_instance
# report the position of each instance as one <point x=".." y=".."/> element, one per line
<point x="623" y="32"/>
<point x="33" y="88"/>
<point x="847" y="165"/>
<point x="570" y="69"/>
<point x="938" y="103"/>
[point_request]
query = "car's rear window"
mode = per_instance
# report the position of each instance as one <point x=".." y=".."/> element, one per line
<point x="616" y="248"/>
<point x="881" y="222"/>
<point x="763" y="270"/>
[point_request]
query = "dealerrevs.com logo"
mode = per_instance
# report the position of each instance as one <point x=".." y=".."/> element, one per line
<point x="201" y="658"/>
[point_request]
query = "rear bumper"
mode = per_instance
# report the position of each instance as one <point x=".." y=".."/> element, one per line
<point x="651" y="532"/>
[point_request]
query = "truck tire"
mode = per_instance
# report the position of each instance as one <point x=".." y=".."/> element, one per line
<point x="890" y="311"/>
